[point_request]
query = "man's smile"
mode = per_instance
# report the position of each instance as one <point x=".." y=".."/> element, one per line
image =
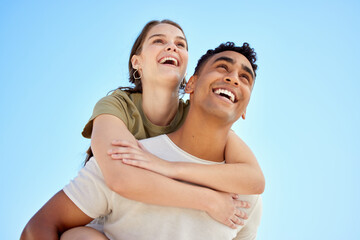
<point x="226" y="93"/>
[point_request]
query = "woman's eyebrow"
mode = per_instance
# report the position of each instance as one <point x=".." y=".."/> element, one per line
<point x="182" y="38"/>
<point x="163" y="35"/>
<point x="157" y="35"/>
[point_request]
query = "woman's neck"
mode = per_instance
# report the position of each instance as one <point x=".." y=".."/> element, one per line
<point x="160" y="105"/>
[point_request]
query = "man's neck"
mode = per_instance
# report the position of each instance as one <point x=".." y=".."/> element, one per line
<point x="160" y="105"/>
<point x="202" y="137"/>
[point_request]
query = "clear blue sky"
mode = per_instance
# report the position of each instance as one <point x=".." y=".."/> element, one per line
<point x="58" y="58"/>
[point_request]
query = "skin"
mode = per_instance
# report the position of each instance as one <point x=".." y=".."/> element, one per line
<point x="161" y="82"/>
<point x="60" y="213"/>
<point x="220" y="177"/>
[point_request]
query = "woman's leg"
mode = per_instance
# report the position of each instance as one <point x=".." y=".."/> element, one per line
<point x="83" y="233"/>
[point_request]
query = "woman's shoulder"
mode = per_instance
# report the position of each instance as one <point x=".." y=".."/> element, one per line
<point x="120" y="96"/>
<point x="118" y="103"/>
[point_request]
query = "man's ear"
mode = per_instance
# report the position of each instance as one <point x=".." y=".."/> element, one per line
<point x="243" y="115"/>
<point x="190" y="85"/>
<point x="135" y="61"/>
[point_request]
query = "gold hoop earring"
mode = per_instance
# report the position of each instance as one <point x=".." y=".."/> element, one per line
<point x="136" y="71"/>
<point x="183" y="83"/>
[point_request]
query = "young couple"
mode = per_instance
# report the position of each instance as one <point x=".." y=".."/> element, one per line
<point x="184" y="183"/>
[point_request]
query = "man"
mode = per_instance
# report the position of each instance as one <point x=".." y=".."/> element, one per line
<point x="219" y="91"/>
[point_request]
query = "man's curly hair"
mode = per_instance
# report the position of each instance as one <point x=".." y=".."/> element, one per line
<point x="245" y="50"/>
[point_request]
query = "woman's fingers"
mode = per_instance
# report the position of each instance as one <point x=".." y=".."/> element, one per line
<point x="116" y="156"/>
<point x="135" y="163"/>
<point x="242" y="204"/>
<point x="230" y="224"/>
<point x="123" y="143"/>
<point x="238" y="217"/>
<point x="237" y="221"/>
<point x="123" y="150"/>
<point x="240" y="214"/>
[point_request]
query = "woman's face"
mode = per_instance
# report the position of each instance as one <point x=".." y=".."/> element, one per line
<point x="164" y="56"/>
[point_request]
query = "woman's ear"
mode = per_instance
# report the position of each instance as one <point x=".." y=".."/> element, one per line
<point x="190" y="85"/>
<point x="135" y="61"/>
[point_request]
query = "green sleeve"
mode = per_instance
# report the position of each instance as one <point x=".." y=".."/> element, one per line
<point x="113" y="104"/>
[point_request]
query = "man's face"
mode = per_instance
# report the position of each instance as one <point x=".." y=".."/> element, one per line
<point x="223" y="86"/>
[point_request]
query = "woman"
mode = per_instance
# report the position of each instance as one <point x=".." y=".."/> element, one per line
<point x="157" y="67"/>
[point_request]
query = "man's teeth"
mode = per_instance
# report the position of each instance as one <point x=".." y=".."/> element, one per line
<point x="225" y="92"/>
<point x="171" y="59"/>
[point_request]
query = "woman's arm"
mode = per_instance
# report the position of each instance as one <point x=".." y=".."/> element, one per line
<point x="149" y="187"/>
<point x="248" y="175"/>
<point x="55" y="217"/>
<point x="242" y="173"/>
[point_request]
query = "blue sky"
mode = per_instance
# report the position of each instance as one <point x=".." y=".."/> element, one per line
<point x="58" y="58"/>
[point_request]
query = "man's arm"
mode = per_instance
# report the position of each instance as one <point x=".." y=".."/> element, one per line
<point x="55" y="217"/>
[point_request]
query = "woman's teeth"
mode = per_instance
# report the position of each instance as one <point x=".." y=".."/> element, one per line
<point x="169" y="60"/>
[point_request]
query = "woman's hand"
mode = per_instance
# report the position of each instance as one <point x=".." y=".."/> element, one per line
<point x="223" y="207"/>
<point x="138" y="156"/>
<point x="226" y="209"/>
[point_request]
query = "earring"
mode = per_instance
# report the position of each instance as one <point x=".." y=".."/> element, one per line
<point x="134" y="73"/>
<point x="183" y="83"/>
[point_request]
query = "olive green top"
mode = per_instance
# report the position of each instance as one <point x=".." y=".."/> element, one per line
<point x="128" y="107"/>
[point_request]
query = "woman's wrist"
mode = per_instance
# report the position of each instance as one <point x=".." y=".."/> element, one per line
<point x="206" y="200"/>
<point x="172" y="169"/>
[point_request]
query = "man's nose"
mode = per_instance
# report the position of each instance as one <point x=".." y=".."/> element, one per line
<point x="232" y="79"/>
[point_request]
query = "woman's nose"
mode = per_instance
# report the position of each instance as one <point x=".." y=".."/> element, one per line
<point x="171" y="47"/>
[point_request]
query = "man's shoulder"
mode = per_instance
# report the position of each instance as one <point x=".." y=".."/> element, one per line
<point x="154" y="141"/>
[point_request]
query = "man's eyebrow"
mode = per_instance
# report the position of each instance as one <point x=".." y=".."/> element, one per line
<point x="248" y="70"/>
<point x="226" y="59"/>
<point x="163" y="35"/>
